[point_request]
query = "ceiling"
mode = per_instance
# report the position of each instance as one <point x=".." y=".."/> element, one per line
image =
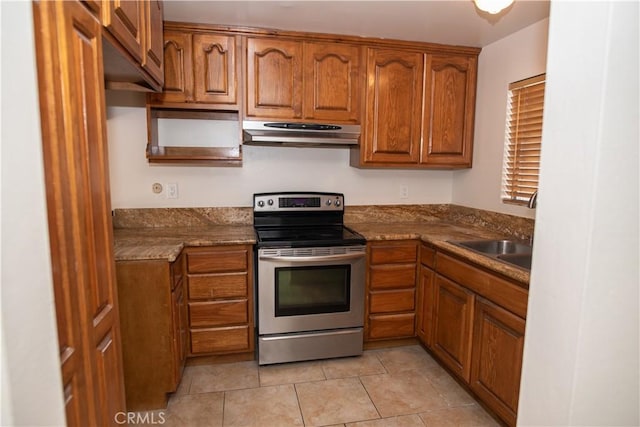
<point x="455" y="22"/>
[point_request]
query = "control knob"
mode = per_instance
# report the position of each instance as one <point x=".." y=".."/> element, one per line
<point x="270" y="202"/>
<point x="328" y="202"/>
<point x="260" y="203"/>
<point x="337" y="203"/>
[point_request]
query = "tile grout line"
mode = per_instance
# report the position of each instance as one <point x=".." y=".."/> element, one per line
<point x="370" y="398"/>
<point x="295" y="389"/>
<point x="224" y="406"/>
<point x="419" y="372"/>
<point x="376" y="354"/>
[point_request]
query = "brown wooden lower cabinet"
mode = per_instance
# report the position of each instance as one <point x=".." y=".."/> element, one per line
<point x="473" y="322"/>
<point x="424" y="311"/>
<point x="452" y="326"/>
<point x="425" y="295"/>
<point x="391" y="290"/>
<point x="179" y="315"/>
<point x="496" y="362"/>
<point x="230" y="339"/>
<point x="154" y="325"/>
<point x="220" y="299"/>
<point x="391" y="326"/>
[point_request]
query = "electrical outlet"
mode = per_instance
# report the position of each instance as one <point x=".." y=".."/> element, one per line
<point x="404" y="191"/>
<point x="172" y="190"/>
<point x="156" y="188"/>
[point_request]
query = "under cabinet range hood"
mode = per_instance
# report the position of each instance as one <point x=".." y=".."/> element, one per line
<point x="299" y="134"/>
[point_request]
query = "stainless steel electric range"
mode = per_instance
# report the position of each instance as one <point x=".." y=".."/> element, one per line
<point x="310" y="278"/>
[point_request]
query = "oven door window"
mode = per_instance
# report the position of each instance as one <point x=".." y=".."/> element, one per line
<point x="312" y="290"/>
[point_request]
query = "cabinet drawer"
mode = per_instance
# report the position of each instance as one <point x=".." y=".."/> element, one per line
<point x="391" y="326"/>
<point x="218" y="286"/>
<point x="392" y="301"/>
<point x="502" y="292"/>
<point x="392" y="276"/>
<point x="224" y="260"/>
<point x="393" y="253"/>
<point x="218" y="313"/>
<point x="427" y="256"/>
<point x="221" y="340"/>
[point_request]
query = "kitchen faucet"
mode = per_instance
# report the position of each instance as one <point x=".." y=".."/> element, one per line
<point x="533" y="200"/>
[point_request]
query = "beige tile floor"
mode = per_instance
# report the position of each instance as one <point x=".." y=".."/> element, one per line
<point x="398" y="387"/>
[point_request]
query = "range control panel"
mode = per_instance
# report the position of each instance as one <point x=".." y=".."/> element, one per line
<point x="301" y="202"/>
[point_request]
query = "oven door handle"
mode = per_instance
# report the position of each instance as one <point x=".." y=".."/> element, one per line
<point x="341" y="257"/>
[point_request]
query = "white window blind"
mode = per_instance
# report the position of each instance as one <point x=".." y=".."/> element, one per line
<point x="523" y="140"/>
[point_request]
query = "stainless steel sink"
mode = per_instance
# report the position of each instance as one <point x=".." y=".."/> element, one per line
<point x="496" y="247"/>
<point x="511" y="251"/>
<point x="521" y="260"/>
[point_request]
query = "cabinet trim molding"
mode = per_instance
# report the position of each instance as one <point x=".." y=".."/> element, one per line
<point x="325" y="37"/>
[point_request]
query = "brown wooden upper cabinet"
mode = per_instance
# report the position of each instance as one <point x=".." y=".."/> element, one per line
<point x="295" y="80"/>
<point x="332" y="82"/>
<point x="201" y="70"/>
<point x="419" y="110"/>
<point x="152" y="60"/>
<point x="124" y="21"/>
<point x="449" y="110"/>
<point x="137" y="27"/>
<point x="415" y="101"/>
<point x="393" y="107"/>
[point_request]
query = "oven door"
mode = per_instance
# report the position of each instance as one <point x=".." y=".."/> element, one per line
<point x="310" y="289"/>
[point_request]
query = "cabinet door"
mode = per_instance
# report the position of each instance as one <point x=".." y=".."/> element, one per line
<point x="332" y="82"/>
<point x="178" y="69"/>
<point x="215" y="69"/>
<point x="95" y="6"/>
<point x="449" y="110"/>
<point x="424" y="313"/>
<point x="498" y="343"/>
<point x="274" y="78"/>
<point x="394" y="107"/>
<point x="73" y="119"/>
<point x="453" y="317"/>
<point x="152" y="54"/>
<point x="123" y="19"/>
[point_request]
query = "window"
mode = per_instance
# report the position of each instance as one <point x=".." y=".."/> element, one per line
<point x="523" y="140"/>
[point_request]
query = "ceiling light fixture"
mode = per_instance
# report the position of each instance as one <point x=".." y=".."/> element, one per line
<point x="492" y="6"/>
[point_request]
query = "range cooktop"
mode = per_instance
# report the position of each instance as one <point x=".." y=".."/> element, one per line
<point x="302" y="219"/>
<point x="309" y="236"/>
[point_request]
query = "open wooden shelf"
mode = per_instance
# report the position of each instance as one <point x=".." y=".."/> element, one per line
<point x="210" y="156"/>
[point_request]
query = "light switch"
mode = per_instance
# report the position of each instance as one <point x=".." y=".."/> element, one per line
<point x="404" y="191"/>
<point x="172" y="190"/>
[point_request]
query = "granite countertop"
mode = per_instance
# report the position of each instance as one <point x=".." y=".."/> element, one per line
<point x="438" y="234"/>
<point x="160" y="243"/>
<point x="165" y="243"/>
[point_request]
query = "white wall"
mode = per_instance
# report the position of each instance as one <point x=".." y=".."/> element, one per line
<point x="515" y="57"/>
<point x="31" y="382"/>
<point x="263" y="169"/>
<point x="581" y="359"/>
